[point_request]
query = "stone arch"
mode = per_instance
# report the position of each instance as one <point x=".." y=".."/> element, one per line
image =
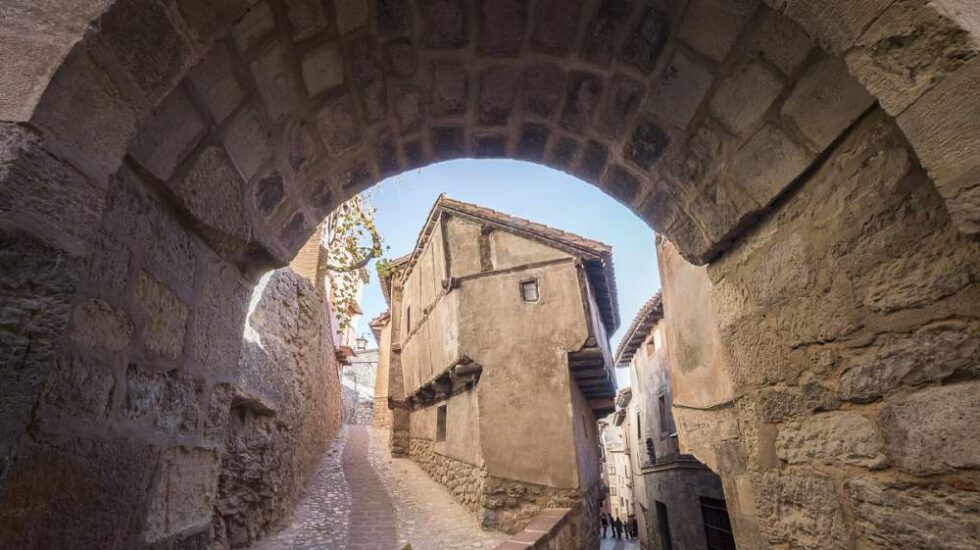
<point x="182" y="146"/>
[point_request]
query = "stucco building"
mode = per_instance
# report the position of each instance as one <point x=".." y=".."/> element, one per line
<point x="499" y="363"/>
<point x="679" y="503"/>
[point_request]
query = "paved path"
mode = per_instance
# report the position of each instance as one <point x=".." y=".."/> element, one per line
<point x="617" y="544"/>
<point x="362" y="499"/>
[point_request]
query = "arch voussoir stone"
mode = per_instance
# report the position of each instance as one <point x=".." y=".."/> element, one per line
<point x="156" y="155"/>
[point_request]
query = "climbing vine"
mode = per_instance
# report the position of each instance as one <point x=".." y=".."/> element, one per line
<point x="352" y="241"/>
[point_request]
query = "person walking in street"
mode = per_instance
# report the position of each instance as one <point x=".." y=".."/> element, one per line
<point x="618" y="527"/>
<point x="604" y="521"/>
<point x="631" y="526"/>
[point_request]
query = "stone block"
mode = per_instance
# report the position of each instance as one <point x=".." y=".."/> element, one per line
<point x="534" y="139"/>
<point x="621" y="184"/>
<point x="447" y="142"/>
<point x="447" y="88"/>
<point x="219" y="407"/>
<point x="299" y="146"/>
<point x="212" y="191"/>
<point x="107" y="264"/>
<point x="208" y="19"/>
<point x="215" y="82"/>
<point x="247" y="142"/>
<point x="257" y="24"/>
<point x="489" y="146"/>
<point x="79" y="386"/>
<point x="593" y="161"/>
<point x="892" y="514"/>
<point x="502" y="24"/>
<point x="602" y="34"/>
<point x="646" y="144"/>
<point x="933" y="430"/>
<point x="337" y="125"/>
<point x="498" y="93"/>
<point x="623" y="100"/>
<point x="768" y="163"/>
<point x="171" y="402"/>
<point x="394" y="17"/>
<point x="742" y="99"/>
<point x="408" y="107"/>
<point x="711" y="28"/>
<point x="415" y="154"/>
<point x="268" y="193"/>
<point x="354" y="177"/>
<point x="401" y="57"/>
<point x="825" y="101"/>
<point x="582" y="97"/>
<point x="219" y="315"/>
<point x="274" y="78"/>
<point x="944" y="128"/>
<point x="933" y="353"/>
<point x="100" y="485"/>
<point x="148" y="45"/>
<point x="100" y="325"/>
<point x="679" y="91"/>
<point x="647" y="40"/>
<point x="171" y="133"/>
<point x="835" y="24"/>
<point x="141" y="223"/>
<point x="351" y="14"/>
<point x="780" y="41"/>
<point x="544" y="88"/>
<point x="297" y="230"/>
<point x="837" y="437"/>
<point x="443" y="24"/>
<point x="561" y="155"/>
<point x="803" y="510"/>
<point x="183" y="495"/>
<point x="45" y="195"/>
<point x="308" y="17"/>
<point x="97" y="141"/>
<point x="323" y="68"/>
<point x="166" y="318"/>
<point x="29" y="61"/>
<point x="386" y="157"/>
<point x="555" y="26"/>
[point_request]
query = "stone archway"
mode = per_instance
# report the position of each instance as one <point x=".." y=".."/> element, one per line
<point x="182" y="146"/>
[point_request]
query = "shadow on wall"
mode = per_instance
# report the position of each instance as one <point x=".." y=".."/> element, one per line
<point x="283" y="414"/>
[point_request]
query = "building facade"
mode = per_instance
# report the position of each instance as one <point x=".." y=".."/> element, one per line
<point x="678" y="501"/>
<point x="499" y="362"/>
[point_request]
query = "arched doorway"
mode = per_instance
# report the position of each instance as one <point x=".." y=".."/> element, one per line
<point x="181" y="147"/>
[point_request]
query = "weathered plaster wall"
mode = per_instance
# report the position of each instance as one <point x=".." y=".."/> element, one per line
<point x="849" y="317"/>
<point x="525" y="382"/>
<point x="284" y="411"/>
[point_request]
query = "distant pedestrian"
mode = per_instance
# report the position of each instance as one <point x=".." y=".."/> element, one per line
<point x="604" y="521"/>
<point x="618" y="527"/>
<point x="631" y="527"/>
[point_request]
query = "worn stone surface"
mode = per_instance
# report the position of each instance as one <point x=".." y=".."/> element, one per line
<point x="99" y="324"/>
<point x="892" y="514"/>
<point x="284" y="411"/>
<point x="844" y="437"/>
<point x="825" y="102"/>
<point x="744" y="96"/>
<point x="929" y="432"/>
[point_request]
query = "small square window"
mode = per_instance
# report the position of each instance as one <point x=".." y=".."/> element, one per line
<point x="529" y="290"/>
<point x="441" y="423"/>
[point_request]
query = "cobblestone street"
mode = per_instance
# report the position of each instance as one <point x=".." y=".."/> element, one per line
<point x="362" y="499"/>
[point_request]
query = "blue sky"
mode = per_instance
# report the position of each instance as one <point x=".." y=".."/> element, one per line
<point x="528" y="191"/>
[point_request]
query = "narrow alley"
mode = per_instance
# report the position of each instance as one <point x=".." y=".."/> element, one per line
<point x="361" y="499"/>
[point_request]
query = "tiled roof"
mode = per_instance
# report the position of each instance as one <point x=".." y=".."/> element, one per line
<point x="651" y="312"/>
<point x="386" y="281"/>
<point x="378" y="323"/>
<point x="596" y="256"/>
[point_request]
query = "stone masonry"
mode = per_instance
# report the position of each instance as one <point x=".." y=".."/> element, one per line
<point x="821" y="156"/>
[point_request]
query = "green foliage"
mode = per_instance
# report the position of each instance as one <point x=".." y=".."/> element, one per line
<point x="352" y="242"/>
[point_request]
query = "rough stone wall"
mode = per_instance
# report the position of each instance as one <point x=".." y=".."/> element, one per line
<point x="381" y="415"/>
<point x="464" y="481"/>
<point x="284" y="412"/>
<point x="849" y="316"/>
